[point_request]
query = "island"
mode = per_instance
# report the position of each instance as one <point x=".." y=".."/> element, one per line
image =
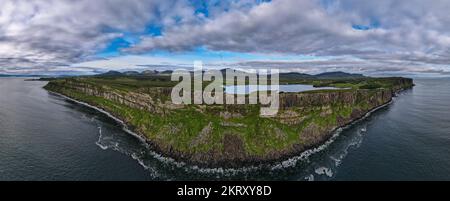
<point x="231" y="135"/>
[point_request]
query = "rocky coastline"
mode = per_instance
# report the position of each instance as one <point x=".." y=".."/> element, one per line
<point x="233" y="152"/>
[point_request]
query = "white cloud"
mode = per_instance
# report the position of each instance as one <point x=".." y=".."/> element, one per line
<point x="134" y="62"/>
<point x="43" y="33"/>
<point x="401" y="32"/>
<point x="66" y="34"/>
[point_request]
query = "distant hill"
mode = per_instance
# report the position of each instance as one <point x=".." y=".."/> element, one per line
<point x="111" y="73"/>
<point x="166" y="72"/>
<point x="290" y="75"/>
<point x="131" y="73"/>
<point x="338" y="74"/>
<point x="293" y="75"/>
<point x="149" y="72"/>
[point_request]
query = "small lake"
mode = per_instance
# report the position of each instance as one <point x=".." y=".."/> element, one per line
<point x="247" y="89"/>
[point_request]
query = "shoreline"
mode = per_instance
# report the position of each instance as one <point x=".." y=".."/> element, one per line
<point x="294" y="155"/>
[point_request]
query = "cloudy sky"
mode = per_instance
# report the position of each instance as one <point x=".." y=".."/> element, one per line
<point x="383" y="37"/>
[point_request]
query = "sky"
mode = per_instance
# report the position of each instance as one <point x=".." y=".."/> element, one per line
<point x="381" y="38"/>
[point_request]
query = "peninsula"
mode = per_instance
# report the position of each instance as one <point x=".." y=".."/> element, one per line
<point x="232" y="135"/>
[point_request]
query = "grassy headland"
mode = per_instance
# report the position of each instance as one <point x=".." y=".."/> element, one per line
<point x="230" y="135"/>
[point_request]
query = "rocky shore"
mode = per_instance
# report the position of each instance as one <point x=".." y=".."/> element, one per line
<point x="229" y="136"/>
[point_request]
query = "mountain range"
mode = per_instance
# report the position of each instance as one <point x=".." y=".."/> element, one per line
<point x="290" y="75"/>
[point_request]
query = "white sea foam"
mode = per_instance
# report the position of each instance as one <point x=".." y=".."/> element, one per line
<point x="309" y="177"/>
<point x="324" y="171"/>
<point x="99" y="143"/>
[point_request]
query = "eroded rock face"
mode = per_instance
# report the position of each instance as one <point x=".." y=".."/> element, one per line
<point x="290" y="117"/>
<point x="233" y="148"/>
<point x="356" y="113"/>
<point x="142" y="101"/>
<point x="340" y="120"/>
<point x="311" y="134"/>
<point x="373" y="97"/>
<point x="203" y="136"/>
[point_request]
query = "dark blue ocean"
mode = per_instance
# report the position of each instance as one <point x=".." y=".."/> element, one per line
<point x="46" y="137"/>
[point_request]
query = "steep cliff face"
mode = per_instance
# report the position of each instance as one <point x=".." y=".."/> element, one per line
<point x="230" y="135"/>
<point x="351" y="97"/>
<point x="141" y="99"/>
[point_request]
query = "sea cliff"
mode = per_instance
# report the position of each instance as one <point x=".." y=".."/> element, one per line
<point x="228" y="135"/>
